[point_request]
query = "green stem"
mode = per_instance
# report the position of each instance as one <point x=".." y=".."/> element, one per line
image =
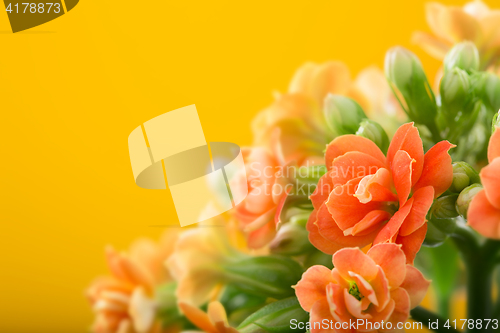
<point x="436" y="136"/>
<point x="427" y="318"/>
<point x="479" y="260"/>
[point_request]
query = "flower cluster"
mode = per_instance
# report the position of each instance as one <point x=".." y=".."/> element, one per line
<point x="357" y="188"/>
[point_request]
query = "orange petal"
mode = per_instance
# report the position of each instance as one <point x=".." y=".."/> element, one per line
<point x="330" y="231"/>
<point x="392" y="260"/>
<point x="322" y="191"/>
<point x="484" y="217"/>
<point x="490" y="177"/>
<point x="416" y="285"/>
<point x="262" y="236"/>
<point x="319" y="312"/>
<point x="365" y="288"/>
<point x="197" y="317"/>
<point x="437" y="171"/>
<point x="402" y="173"/>
<point x="336" y="302"/>
<point x="407" y="138"/>
<point x="411" y="244"/>
<point x="436" y="47"/>
<point x="317" y="240"/>
<point x="376" y="187"/>
<point x="434" y="13"/>
<point x="422" y="202"/>
<point x="392" y="227"/>
<point x="402" y="307"/>
<point x="494" y="146"/>
<point x="461" y="26"/>
<point x="354" y="260"/>
<point x="346" y="143"/>
<point x="312" y="286"/>
<point x="371" y="222"/>
<point x="354" y="306"/>
<point x="352" y="165"/>
<point x="345" y="208"/>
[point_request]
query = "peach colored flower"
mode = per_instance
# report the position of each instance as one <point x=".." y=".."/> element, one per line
<point x="295" y="120"/>
<point x="266" y="189"/>
<point x="377" y="286"/>
<point x="198" y="261"/>
<point x="366" y="197"/>
<point x="474" y="22"/>
<point x="484" y="210"/>
<point x="213" y="321"/>
<point x="124" y="302"/>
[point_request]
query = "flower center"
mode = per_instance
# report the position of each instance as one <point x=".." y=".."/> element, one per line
<point x="354" y="291"/>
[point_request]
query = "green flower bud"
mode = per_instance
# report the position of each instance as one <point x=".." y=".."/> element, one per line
<point x="343" y="114"/>
<point x="444" y="207"/>
<point x="373" y="131"/>
<point x="492" y="91"/>
<point x="463" y="176"/>
<point x="438" y="230"/>
<point x="464" y="56"/>
<point x="270" y="276"/>
<point x="410" y="85"/>
<point x="454" y="90"/>
<point x="291" y="240"/>
<point x="465" y="198"/>
<point x="276" y="317"/>
<point x="496" y="122"/>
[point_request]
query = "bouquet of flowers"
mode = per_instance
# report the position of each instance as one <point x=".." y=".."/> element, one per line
<point x="360" y="191"/>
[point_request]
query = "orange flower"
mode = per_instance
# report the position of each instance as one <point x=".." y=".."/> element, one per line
<point x="295" y="120"/>
<point x="124" y="302"/>
<point x="376" y="287"/>
<point x="474" y="22"/>
<point x="484" y="209"/>
<point x="214" y="321"/>
<point x="365" y="198"/>
<point x="265" y="191"/>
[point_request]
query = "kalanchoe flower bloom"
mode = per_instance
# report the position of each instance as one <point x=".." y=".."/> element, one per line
<point x="124" y="302"/>
<point x="474" y="22"/>
<point x="377" y="286"/>
<point x="484" y="210"/>
<point x="366" y="197"/>
<point x="213" y="321"/>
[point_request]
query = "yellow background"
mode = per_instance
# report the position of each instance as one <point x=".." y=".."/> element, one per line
<point x="73" y="89"/>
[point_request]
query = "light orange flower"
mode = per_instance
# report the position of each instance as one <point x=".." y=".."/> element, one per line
<point x="124" y="302"/>
<point x="484" y="210"/>
<point x="213" y="321"/>
<point x="377" y="286"/>
<point x="365" y="197"/>
<point x="198" y="261"/>
<point x="474" y="22"/>
<point x="295" y="120"/>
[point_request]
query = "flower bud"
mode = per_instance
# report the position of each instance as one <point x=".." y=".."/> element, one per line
<point x="410" y="85"/>
<point x="464" y="55"/>
<point x="444" y="207"/>
<point x="492" y="91"/>
<point x="373" y="131"/>
<point x="269" y="276"/>
<point x="438" y="230"/>
<point x="343" y="114"/>
<point x="291" y="240"/>
<point x="454" y="90"/>
<point x="275" y="317"/>
<point x="465" y="198"/>
<point x="463" y="176"/>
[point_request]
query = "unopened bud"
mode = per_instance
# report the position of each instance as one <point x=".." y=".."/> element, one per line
<point x="444" y="207"/>
<point x="275" y="317"/>
<point x="399" y="67"/>
<point x="491" y="91"/>
<point x="463" y="176"/>
<point x="438" y="230"/>
<point x="291" y="239"/>
<point x="373" y="131"/>
<point x="454" y="90"/>
<point x="464" y="56"/>
<point x="465" y="198"/>
<point x="343" y="114"/>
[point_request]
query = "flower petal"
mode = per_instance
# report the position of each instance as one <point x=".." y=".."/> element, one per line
<point x="312" y="286"/>
<point x="346" y="143"/>
<point x="402" y="166"/>
<point x="197" y="317"/>
<point x="484" y="217"/>
<point x="422" y="202"/>
<point x="354" y="260"/>
<point x="411" y="244"/>
<point x="416" y="285"/>
<point x="354" y="306"/>
<point x="392" y="227"/>
<point x="319" y="312"/>
<point x="392" y="260"/>
<point x="494" y="146"/>
<point x="401" y="309"/>
<point x="365" y="288"/>
<point x="437" y="170"/>
<point x="316" y="239"/>
<point x="490" y="177"/>
<point x="407" y="138"/>
<point x="436" y="47"/>
<point x="370" y="223"/>
<point x="376" y="187"/>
